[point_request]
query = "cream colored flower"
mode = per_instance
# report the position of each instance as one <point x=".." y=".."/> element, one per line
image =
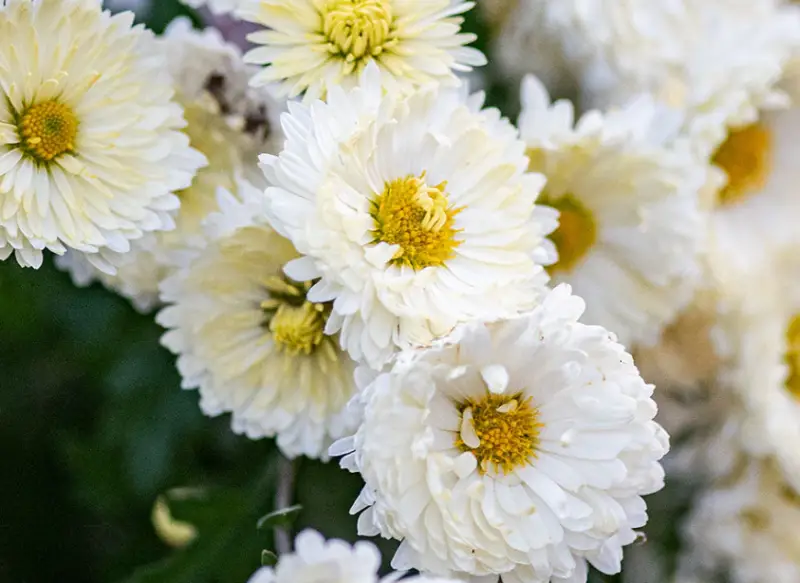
<point x="631" y="231"/>
<point x="746" y="528"/>
<point x="230" y="123"/>
<point x="248" y="338"/>
<point x="90" y="149"/>
<point x="415" y="214"/>
<point x="518" y="449"/>
<point x="313" y="45"/>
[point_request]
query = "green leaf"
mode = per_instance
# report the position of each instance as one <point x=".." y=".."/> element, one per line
<point x="268" y="558"/>
<point x="280" y="518"/>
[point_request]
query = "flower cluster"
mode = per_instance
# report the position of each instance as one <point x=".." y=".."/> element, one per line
<point x="353" y="254"/>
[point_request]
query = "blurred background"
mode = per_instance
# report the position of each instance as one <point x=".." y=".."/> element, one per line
<point x="94" y="427"/>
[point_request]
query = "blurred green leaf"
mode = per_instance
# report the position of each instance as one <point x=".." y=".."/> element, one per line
<point x="268" y="558"/>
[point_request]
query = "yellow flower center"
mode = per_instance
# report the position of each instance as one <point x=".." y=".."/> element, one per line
<point x="792" y="356"/>
<point x="501" y="431"/>
<point x="297" y="325"/>
<point x="576" y="232"/>
<point x="418" y="219"/>
<point x="47" y="130"/>
<point x="357" y="29"/>
<point x="746" y="157"/>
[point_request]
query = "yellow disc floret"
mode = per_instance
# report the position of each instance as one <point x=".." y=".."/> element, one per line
<point x="792" y="356"/>
<point x="47" y="130"/>
<point x="576" y="232"/>
<point x="356" y="30"/>
<point x="297" y="325"/>
<point x="501" y="431"/>
<point x="746" y="157"/>
<point x="417" y="218"/>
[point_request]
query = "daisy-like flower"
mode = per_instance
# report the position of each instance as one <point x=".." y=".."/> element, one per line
<point x="90" y="149"/>
<point x="747" y="529"/>
<point x="630" y="230"/>
<point x="314" y="45"/>
<point x="519" y="448"/>
<point x="675" y="50"/>
<point x="248" y="338"/>
<point x="315" y="560"/>
<point x="230" y="123"/>
<point x="414" y="213"/>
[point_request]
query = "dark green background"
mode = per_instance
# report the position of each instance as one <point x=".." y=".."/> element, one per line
<point x="94" y="426"/>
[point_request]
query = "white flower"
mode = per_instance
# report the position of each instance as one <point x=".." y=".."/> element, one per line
<point x="315" y="560"/>
<point x="759" y="339"/>
<point x="631" y="231"/>
<point x="314" y="45"/>
<point x="519" y="448"/>
<point x="415" y="213"/>
<point x="90" y="148"/>
<point x="250" y="341"/>
<point x="747" y="529"/>
<point x="229" y="123"/>
<point x="215" y="6"/>
<point x="717" y="59"/>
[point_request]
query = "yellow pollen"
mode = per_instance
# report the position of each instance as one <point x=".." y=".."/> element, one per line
<point x="297" y="325"/>
<point x="746" y="157"/>
<point x="507" y="429"/>
<point x="356" y="30"/>
<point x="47" y="130"/>
<point x="792" y="356"/>
<point x="576" y="232"/>
<point x="418" y="219"/>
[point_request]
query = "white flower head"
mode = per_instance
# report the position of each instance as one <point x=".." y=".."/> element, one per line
<point x="247" y="337"/>
<point x="747" y="529"/>
<point x="719" y="59"/>
<point x="631" y="230"/>
<point x="315" y="560"/>
<point x="230" y="123"/>
<point x="414" y="213"/>
<point x="314" y="45"/>
<point x="519" y="448"/>
<point x="90" y="148"/>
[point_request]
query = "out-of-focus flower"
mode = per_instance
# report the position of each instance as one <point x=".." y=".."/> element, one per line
<point x="415" y="214"/>
<point x="747" y="528"/>
<point x="230" y="123"/>
<point x="314" y="45"/>
<point x="90" y="149"/>
<point x="250" y="340"/>
<point x="315" y="560"/>
<point x="215" y="6"/>
<point x="519" y="448"/>
<point x="631" y="230"/>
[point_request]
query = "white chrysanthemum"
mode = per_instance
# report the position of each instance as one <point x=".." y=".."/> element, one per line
<point x="760" y="340"/>
<point x="248" y="338"/>
<point x="519" y="448"/>
<point x="416" y="213"/>
<point x="315" y="560"/>
<point x="747" y="529"/>
<point x="215" y="6"/>
<point x="230" y="123"/>
<point x="90" y="152"/>
<point x="719" y="59"/>
<point x="630" y="231"/>
<point x="314" y="45"/>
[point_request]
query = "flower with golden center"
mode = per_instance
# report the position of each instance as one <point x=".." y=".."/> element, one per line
<point x="250" y="340"/>
<point x="79" y="168"/>
<point x="492" y="452"/>
<point x="314" y="45"/>
<point x="229" y="123"/>
<point x="621" y="184"/>
<point x="746" y="158"/>
<point x="413" y="213"/>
